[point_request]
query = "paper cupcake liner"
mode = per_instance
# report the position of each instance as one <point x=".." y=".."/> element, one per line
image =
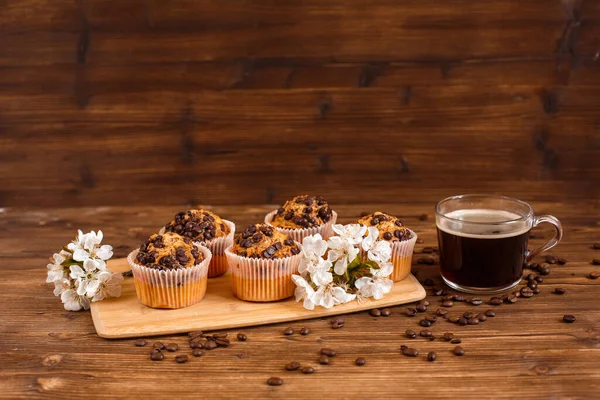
<point x="170" y="289"/>
<point x="218" y="264"/>
<point x="262" y="280"/>
<point x="401" y="259"/>
<point x="326" y="230"/>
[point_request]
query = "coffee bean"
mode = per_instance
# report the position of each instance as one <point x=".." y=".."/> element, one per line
<point x="495" y="301"/>
<point x="424" y="302"/>
<point x="410" y="352"/>
<point x="328" y="352"/>
<point x="308" y="370"/>
<point x="141" y="342"/>
<point x="426" y="261"/>
<point x="490" y="313"/>
<point x="210" y="345"/>
<point x="410" y="334"/>
<point x="196" y="344"/>
<point x="458" y="351"/>
<point x="459" y="298"/>
<point x="463" y="321"/>
<point x="569" y="318"/>
<point x="551" y="259"/>
<point x="197" y="352"/>
<point x="386" y="312"/>
<point x="448" y="336"/>
<point x="536" y="291"/>
<point x="442" y="292"/>
<point x="530" y="277"/>
<point x="428" y="282"/>
<point x="242" y="337"/>
<point x="172" y="347"/>
<point x="425" y="323"/>
<point x="323" y="360"/>
<point x="337" y="325"/>
<point x="473" y="321"/>
<point x="454" y="319"/>
<point x="159" y="345"/>
<point x="219" y="335"/>
<point x="512" y="298"/>
<point x="338" y="320"/>
<point x="274" y="381"/>
<point x="375" y="312"/>
<point x="304" y="331"/>
<point x="481" y="317"/>
<point x="411" y="312"/>
<point x="431" y="318"/>
<point x="539" y="279"/>
<point x="426" y="333"/>
<point x="596" y="246"/>
<point x="544" y="270"/>
<point x="431" y="356"/>
<point x="468" y="314"/>
<point x="594" y="275"/>
<point x="222" y="342"/>
<point x="195" y="334"/>
<point x="456" y="341"/>
<point x="288" y="331"/>
<point x="596" y="261"/>
<point x="441" y="312"/>
<point x="402" y="347"/>
<point x="476" y="301"/>
<point x="447" y="303"/>
<point x="181" y="359"/>
<point x="360" y="361"/>
<point x="421" y="307"/>
<point x="157" y="355"/>
<point x="293" y="366"/>
<point x="561" y="261"/>
<point x="526" y="292"/>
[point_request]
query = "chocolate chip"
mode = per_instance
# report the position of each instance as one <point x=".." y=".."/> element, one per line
<point x="360" y="361"/>
<point x="293" y="366"/>
<point x="387" y="236"/>
<point x="141" y="342"/>
<point x="274" y="381"/>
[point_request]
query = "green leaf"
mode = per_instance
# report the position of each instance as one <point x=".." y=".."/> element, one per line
<point x="354" y="264"/>
<point x="372" y="264"/>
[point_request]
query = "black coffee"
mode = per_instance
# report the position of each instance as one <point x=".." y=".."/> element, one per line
<point x="477" y="255"/>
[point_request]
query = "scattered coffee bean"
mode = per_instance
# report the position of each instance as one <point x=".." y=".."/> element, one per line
<point x="426" y="261"/>
<point x="456" y="341"/>
<point x="375" y="312"/>
<point x="323" y="360"/>
<point x="222" y="342"/>
<point x="476" y="301"/>
<point x="526" y="292"/>
<point x="181" y="359"/>
<point x="195" y="334"/>
<point x="431" y="318"/>
<point x="569" y="318"/>
<point x="304" y="331"/>
<point x="490" y="313"/>
<point x="328" y="352"/>
<point x="293" y="366"/>
<point x="596" y="261"/>
<point x="159" y="345"/>
<point x="157" y="355"/>
<point x="463" y="321"/>
<point x="308" y="370"/>
<point x="421" y="307"/>
<point x="210" y="345"/>
<point x="197" y="352"/>
<point x="428" y="250"/>
<point x="242" y="337"/>
<point x="495" y="301"/>
<point x="440" y="312"/>
<point x="440" y="292"/>
<point x="424" y="302"/>
<point x="468" y="314"/>
<point x="536" y="291"/>
<point x="402" y="347"/>
<point x="544" y="270"/>
<point x="473" y="321"/>
<point x="459" y="297"/>
<point x="410" y="352"/>
<point x="512" y="298"/>
<point x="289" y="331"/>
<point x="337" y="325"/>
<point x="337" y="320"/>
<point x="481" y="317"/>
<point x="596" y="246"/>
<point x="425" y="333"/>
<point x="530" y="277"/>
<point x="431" y="356"/>
<point x="274" y="381"/>
<point x="424" y="323"/>
<point x="141" y="342"/>
<point x="411" y="312"/>
<point x="410" y="334"/>
<point x="360" y="361"/>
<point x="539" y="279"/>
<point x="458" y="351"/>
<point x="448" y="336"/>
<point x="561" y="261"/>
<point x="172" y="347"/>
<point x="447" y="303"/>
<point x="386" y="312"/>
<point x="454" y="319"/>
<point x="532" y="285"/>
<point x="551" y="259"/>
<point x="428" y="282"/>
<point x="594" y="275"/>
<point x="219" y="335"/>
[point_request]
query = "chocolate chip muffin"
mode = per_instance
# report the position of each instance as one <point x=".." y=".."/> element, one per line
<point x="200" y="225"/>
<point x="264" y="241"/>
<point x="303" y="212"/>
<point x="169" y="251"/>
<point x="390" y="227"/>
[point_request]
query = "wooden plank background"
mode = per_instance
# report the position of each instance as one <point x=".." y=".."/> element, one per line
<point x="106" y="102"/>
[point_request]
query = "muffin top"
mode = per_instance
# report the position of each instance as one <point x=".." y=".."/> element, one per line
<point x="198" y="225"/>
<point x="390" y="227"/>
<point x="169" y="252"/>
<point x="302" y="212"/>
<point x="264" y="241"/>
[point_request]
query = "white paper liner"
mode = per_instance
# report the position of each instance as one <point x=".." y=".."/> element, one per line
<point x="261" y="280"/>
<point x="402" y="252"/>
<point x="170" y="289"/>
<point x="326" y="230"/>
<point x="218" y="265"/>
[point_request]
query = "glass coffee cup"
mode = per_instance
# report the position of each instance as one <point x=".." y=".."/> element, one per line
<point x="483" y="241"/>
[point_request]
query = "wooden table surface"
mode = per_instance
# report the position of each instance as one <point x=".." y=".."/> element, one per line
<point x="526" y="351"/>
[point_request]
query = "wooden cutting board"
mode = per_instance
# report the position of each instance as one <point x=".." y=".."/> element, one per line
<point x="126" y="317"/>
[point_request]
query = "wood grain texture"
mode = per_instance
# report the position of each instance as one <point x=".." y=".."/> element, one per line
<point x="526" y="351"/>
<point x="145" y="102"/>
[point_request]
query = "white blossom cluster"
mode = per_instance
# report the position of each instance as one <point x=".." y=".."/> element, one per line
<point x="336" y="271"/>
<point x="79" y="272"/>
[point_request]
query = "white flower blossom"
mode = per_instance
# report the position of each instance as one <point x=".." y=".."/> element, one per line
<point x="377" y="250"/>
<point x="341" y="253"/>
<point x="109" y="285"/>
<point x="352" y="233"/>
<point x="304" y="292"/>
<point x="329" y="295"/>
<point x="378" y="284"/>
<point x="74" y="301"/>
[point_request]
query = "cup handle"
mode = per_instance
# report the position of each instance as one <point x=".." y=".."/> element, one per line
<point x="550" y="243"/>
